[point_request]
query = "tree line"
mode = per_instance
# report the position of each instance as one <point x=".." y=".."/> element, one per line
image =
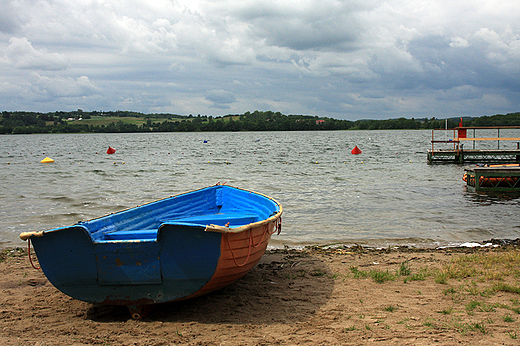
<point x="20" y="122"/>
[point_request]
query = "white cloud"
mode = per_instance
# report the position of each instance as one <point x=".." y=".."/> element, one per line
<point x="21" y="54"/>
<point x="64" y="87"/>
<point x="459" y="42"/>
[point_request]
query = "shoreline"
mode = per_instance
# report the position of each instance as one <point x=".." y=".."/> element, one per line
<point x="311" y="296"/>
<point x="494" y="242"/>
<point x="368" y="245"/>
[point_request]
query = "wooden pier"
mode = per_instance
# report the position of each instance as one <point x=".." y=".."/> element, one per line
<point x="460" y="155"/>
<point x="493" y="179"/>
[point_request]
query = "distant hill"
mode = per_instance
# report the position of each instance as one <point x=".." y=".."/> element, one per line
<point x="125" y="121"/>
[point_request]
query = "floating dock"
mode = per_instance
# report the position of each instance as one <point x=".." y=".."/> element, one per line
<point x="493" y="179"/>
<point x="460" y="155"/>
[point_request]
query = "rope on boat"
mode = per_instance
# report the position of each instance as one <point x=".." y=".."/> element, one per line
<point x="29" y="253"/>
<point x="277" y="228"/>
<point x="266" y="230"/>
<point x="248" y="249"/>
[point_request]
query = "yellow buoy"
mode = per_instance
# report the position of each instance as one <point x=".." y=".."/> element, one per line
<point x="47" y="160"/>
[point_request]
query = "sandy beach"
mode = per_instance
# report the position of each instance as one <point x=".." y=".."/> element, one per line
<point x="314" y="296"/>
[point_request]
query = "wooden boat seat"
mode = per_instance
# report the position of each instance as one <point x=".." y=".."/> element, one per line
<point x="233" y="219"/>
<point x="140" y="234"/>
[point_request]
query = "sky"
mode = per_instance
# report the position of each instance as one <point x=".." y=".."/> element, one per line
<point x="355" y="59"/>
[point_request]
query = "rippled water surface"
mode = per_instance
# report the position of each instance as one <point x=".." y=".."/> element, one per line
<point x="387" y="195"/>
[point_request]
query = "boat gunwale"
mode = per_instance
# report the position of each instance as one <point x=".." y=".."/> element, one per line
<point x="272" y="218"/>
<point x="209" y="228"/>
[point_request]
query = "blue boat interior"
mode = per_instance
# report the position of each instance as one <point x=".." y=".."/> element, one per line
<point x="218" y="205"/>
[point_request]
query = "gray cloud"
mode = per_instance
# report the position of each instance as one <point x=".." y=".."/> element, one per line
<point x="9" y="19"/>
<point x="221" y="99"/>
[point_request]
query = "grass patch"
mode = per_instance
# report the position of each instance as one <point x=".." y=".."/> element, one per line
<point x="16" y="252"/>
<point x="450" y="290"/>
<point x="488" y="266"/>
<point x="381" y="276"/>
<point x="429" y="324"/>
<point x="464" y="328"/>
<point x="478" y="327"/>
<point x="358" y="274"/>
<point x="480" y="306"/>
<point x="442" y="277"/>
<point x="470" y="280"/>
<point x="390" y="308"/>
<point x="378" y="276"/>
<point x="318" y="273"/>
<point x="486" y="270"/>
<point x="508" y="318"/>
<point x="420" y="276"/>
<point x="334" y="276"/>
<point x="446" y="311"/>
<point x="506" y="288"/>
<point x="404" y="269"/>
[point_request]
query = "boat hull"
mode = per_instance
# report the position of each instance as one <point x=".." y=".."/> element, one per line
<point x="96" y="262"/>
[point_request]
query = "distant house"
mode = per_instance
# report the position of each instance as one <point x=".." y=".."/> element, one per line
<point x="319" y="122"/>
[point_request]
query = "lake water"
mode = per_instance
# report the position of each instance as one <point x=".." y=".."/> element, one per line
<point x="388" y="195"/>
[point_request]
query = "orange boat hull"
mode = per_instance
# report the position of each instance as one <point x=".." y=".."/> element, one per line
<point x="239" y="252"/>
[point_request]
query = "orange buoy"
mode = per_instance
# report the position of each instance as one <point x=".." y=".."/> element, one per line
<point x="111" y="150"/>
<point x="356" y="150"/>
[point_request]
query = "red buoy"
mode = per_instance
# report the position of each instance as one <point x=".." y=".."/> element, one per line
<point x="356" y="150"/>
<point x="111" y="150"/>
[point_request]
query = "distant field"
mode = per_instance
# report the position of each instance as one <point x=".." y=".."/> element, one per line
<point x="99" y="120"/>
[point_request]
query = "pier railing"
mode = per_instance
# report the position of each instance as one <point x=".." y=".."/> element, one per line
<point x="458" y="154"/>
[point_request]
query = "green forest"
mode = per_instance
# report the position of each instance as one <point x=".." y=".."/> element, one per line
<point x="79" y="121"/>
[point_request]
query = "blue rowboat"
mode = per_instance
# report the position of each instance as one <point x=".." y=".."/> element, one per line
<point x="171" y="249"/>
